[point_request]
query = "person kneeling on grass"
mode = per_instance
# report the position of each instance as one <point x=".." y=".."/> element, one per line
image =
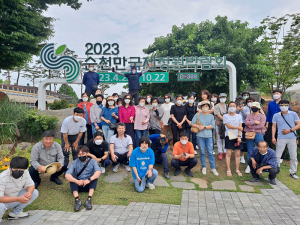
<point x="263" y="159"/>
<point x="142" y="160"/>
<point x="16" y="189"/>
<point x="83" y="174"/>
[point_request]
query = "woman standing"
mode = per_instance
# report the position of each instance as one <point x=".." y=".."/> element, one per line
<point x="98" y="92"/>
<point x="178" y="116"/>
<point x="166" y="107"/>
<point x="96" y="111"/>
<point x="191" y="110"/>
<point x="214" y="99"/>
<point x="233" y="137"/>
<point x="148" y="101"/>
<point x="126" y="115"/>
<point x="205" y="95"/>
<point x="156" y="113"/>
<point x="109" y="115"/>
<point x="141" y="121"/>
<point x="86" y="106"/>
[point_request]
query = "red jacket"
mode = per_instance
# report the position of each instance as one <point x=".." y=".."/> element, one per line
<point x="88" y="106"/>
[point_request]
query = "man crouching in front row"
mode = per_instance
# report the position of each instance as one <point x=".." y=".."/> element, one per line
<point x="83" y="175"/>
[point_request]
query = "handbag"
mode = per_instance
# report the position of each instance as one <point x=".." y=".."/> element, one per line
<point x="297" y="137"/>
<point x="231" y="133"/>
<point x="161" y="123"/>
<point x="250" y="135"/>
<point x="94" y="86"/>
<point x="112" y="126"/>
<point x="195" y="129"/>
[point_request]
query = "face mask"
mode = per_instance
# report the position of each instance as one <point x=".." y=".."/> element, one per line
<point x="276" y="96"/>
<point x="249" y="104"/>
<point x="82" y="158"/>
<point x="133" y="71"/>
<point x="245" y="97"/>
<point x="143" y="150"/>
<point x="191" y="101"/>
<point x="154" y="104"/>
<point x="204" y="110"/>
<point x="254" y="109"/>
<point x="126" y="101"/>
<point x="231" y="109"/>
<point x="116" y="99"/>
<point x="142" y="104"/>
<point x="110" y="103"/>
<point x="167" y="100"/>
<point x="17" y="174"/>
<point x="265" y="153"/>
<point x="179" y="102"/>
<point x="77" y="118"/>
<point x="119" y="105"/>
<point x="91" y="69"/>
<point x="183" y="142"/>
<point x="148" y="100"/>
<point x="99" y="102"/>
<point x="98" y="142"/>
<point x="213" y="99"/>
<point x="284" y="108"/>
<point x="222" y="100"/>
<point x="85" y="99"/>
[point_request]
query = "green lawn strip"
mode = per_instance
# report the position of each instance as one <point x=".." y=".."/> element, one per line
<point x="284" y="177"/>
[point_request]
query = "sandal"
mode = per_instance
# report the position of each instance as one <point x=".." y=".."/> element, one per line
<point x="239" y="173"/>
<point x="229" y="174"/>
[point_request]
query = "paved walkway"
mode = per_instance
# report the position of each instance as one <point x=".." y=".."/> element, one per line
<point x="274" y="206"/>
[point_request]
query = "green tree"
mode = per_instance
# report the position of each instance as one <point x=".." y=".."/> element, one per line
<point x="232" y="39"/>
<point x="69" y="91"/>
<point x="24" y="28"/>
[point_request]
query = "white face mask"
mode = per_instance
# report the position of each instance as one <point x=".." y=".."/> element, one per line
<point x="116" y="99"/>
<point x="205" y="110"/>
<point x="110" y="103"/>
<point x="134" y="71"/>
<point x="183" y="142"/>
<point x="191" y="101"/>
<point x="179" y="102"/>
<point x="167" y="100"/>
<point x="148" y="100"/>
<point x="222" y="100"/>
<point x="154" y="104"/>
<point x="143" y="150"/>
<point x="231" y="109"/>
<point x="91" y="69"/>
<point x="119" y="105"/>
<point x="98" y="142"/>
<point x="213" y="99"/>
<point x="284" y="108"/>
<point x="142" y="104"/>
<point x="77" y="118"/>
<point x="126" y="101"/>
<point x="249" y="104"/>
<point x="276" y="96"/>
<point x="85" y="99"/>
<point x="265" y="153"/>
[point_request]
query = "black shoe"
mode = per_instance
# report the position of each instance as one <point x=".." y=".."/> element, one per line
<point x="77" y="205"/>
<point x="167" y="175"/>
<point x="255" y="179"/>
<point x="88" y="204"/>
<point x="36" y="184"/>
<point x="189" y="173"/>
<point x="272" y="181"/>
<point x="177" y="172"/>
<point x="56" y="180"/>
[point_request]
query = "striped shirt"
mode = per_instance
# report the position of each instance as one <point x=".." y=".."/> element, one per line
<point x="11" y="187"/>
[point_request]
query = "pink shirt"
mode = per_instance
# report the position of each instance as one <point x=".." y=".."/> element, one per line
<point x="141" y="115"/>
<point x="126" y="113"/>
<point x="252" y="127"/>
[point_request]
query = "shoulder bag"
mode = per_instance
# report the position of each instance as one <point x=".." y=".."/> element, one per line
<point x="94" y="86"/>
<point x="112" y="126"/>
<point x="84" y="167"/>
<point x="194" y="129"/>
<point x="297" y="137"/>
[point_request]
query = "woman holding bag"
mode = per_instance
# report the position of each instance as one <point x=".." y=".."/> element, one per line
<point x="255" y="129"/>
<point x="233" y="137"/>
<point x="191" y="110"/>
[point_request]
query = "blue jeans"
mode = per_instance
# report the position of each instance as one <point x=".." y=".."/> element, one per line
<point x="194" y="138"/>
<point x="94" y="128"/>
<point x="139" y="134"/>
<point x="209" y="144"/>
<point x="250" y="143"/>
<point x="149" y="180"/>
<point x="107" y="133"/>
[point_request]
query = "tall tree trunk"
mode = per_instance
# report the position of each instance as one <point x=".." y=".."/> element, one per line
<point x="8" y="76"/>
<point x="19" y="72"/>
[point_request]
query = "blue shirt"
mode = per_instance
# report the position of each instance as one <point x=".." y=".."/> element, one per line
<point x="141" y="161"/>
<point x="291" y="117"/>
<point x="206" y="120"/>
<point x="268" y="159"/>
<point x="106" y="113"/>
<point x="273" y="108"/>
<point x="87" y="81"/>
<point x="89" y="171"/>
<point x="86" y="114"/>
<point x="153" y="138"/>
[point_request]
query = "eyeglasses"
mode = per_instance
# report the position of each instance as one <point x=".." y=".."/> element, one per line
<point x="284" y="105"/>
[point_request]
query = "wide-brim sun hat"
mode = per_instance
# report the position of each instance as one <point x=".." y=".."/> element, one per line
<point x="204" y="103"/>
<point x="52" y="168"/>
<point x="255" y="104"/>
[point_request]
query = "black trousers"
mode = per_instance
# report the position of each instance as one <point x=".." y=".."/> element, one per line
<point x="135" y="94"/>
<point x="272" y="172"/>
<point x="162" y="158"/>
<point x="90" y="92"/>
<point x="176" y="131"/>
<point x="190" y="163"/>
<point x="122" y="158"/>
<point x="155" y="131"/>
<point x="130" y="131"/>
<point x="89" y="134"/>
<point x="71" y="139"/>
<point x="35" y="176"/>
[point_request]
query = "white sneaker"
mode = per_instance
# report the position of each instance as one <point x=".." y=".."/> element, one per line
<point x="116" y="167"/>
<point x="248" y="169"/>
<point x="197" y="147"/>
<point x="214" y="153"/>
<point x="214" y="171"/>
<point x="294" y="176"/>
<point x="196" y="153"/>
<point x="102" y="169"/>
<point x="150" y="186"/>
<point x="127" y="168"/>
<point x="12" y="216"/>
<point x="204" y="170"/>
<point x="242" y="159"/>
<point x="281" y="160"/>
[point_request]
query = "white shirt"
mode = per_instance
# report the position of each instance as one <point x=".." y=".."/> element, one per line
<point x="166" y="109"/>
<point x="71" y="128"/>
<point x="233" y="121"/>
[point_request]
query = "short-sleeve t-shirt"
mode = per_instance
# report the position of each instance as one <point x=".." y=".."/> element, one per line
<point x="166" y="108"/>
<point x="178" y="149"/>
<point x="191" y="111"/>
<point x="70" y="127"/>
<point x="97" y="150"/>
<point x="76" y="166"/>
<point x="291" y="117"/>
<point x="121" y="146"/>
<point x="220" y="110"/>
<point x="233" y="121"/>
<point x="179" y="112"/>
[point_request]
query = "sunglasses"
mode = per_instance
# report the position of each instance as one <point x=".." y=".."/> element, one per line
<point x="284" y="105"/>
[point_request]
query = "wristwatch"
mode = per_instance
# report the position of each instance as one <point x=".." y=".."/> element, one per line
<point x="239" y="136"/>
<point x="291" y="130"/>
<point x="151" y="169"/>
<point x="90" y="179"/>
<point x="204" y="127"/>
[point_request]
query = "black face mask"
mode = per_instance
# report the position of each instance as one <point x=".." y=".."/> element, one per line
<point x="255" y="109"/>
<point x="82" y="158"/>
<point x="17" y="174"/>
<point x="99" y="102"/>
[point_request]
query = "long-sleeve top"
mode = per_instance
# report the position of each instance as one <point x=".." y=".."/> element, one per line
<point x="156" y="145"/>
<point x="133" y="79"/>
<point x="87" y="81"/>
<point x="95" y="113"/>
<point x="141" y="115"/>
<point x="107" y="114"/>
<point x="126" y="113"/>
<point x="88" y="107"/>
<point x="40" y="155"/>
<point x="155" y="118"/>
<point x="269" y="158"/>
<point x="252" y="127"/>
<point x="273" y="108"/>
